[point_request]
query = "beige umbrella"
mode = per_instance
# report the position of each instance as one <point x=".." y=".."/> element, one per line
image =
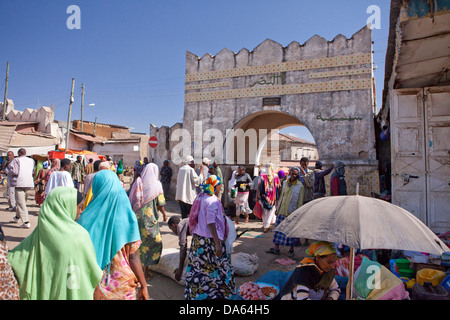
<point x="363" y="223"/>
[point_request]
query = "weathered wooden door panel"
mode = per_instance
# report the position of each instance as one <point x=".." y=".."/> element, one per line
<point x="420" y="149"/>
<point x="437" y="122"/>
<point x="408" y="151"/>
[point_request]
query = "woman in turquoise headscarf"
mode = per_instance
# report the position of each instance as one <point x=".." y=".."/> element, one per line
<point x="114" y="231"/>
<point x="57" y="260"/>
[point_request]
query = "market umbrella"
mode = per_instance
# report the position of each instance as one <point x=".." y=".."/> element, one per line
<point x="361" y="222"/>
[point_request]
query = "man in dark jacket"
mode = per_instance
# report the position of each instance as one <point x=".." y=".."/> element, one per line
<point x="319" y="179"/>
<point x="338" y="184"/>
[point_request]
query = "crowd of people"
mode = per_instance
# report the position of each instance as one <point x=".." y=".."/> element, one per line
<point x="271" y="196"/>
<point x="108" y="237"/>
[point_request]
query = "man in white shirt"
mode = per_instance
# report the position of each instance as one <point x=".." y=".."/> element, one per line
<point x="61" y="178"/>
<point x="203" y="172"/>
<point x="187" y="180"/>
<point x="22" y="181"/>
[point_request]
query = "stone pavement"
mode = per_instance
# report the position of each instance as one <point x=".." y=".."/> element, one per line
<point x="161" y="287"/>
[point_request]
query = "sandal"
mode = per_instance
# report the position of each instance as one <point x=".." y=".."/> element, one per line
<point x="291" y="253"/>
<point x="273" y="251"/>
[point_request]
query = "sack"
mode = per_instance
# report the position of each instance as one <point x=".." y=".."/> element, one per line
<point x="169" y="262"/>
<point x="244" y="264"/>
<point x="257" y="210"/>
<point x="231" y="235"/>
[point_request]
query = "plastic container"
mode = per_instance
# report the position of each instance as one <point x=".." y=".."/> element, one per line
<point x="406" y="273"/>
<point x="402" y="263"/>
<point x="56" y="155"/>
<point x="430" y="275"/>
<point x="409" y="283"/>
<point x="446" y="283"/>
<point x="393" y="267"/>
<point x="429" y="292"/>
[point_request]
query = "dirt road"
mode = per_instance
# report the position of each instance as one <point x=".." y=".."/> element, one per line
<point x="162" y="287"/>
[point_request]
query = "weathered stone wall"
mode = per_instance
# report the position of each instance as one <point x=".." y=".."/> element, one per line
<point x="163" y="151"/>
<point x="331" y="93"/>
<point x="44" y="116"/>
<point x="326" y="86"/>
<point x="323" y="113"/>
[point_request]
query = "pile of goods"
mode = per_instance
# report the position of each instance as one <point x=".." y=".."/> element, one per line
<point x="252" y="291"/>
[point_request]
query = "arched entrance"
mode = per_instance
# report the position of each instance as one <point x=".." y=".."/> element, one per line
<point x="255" y="139"/>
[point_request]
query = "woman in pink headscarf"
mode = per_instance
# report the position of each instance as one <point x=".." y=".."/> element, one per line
<point x="209" y="273"/>
<point x="147" y="198"/>
<point x="267" y="194"/>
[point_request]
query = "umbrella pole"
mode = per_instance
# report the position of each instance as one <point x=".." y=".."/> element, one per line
<point x="349" y="291"/>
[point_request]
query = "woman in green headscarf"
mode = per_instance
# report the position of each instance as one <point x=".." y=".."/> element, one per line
<point x="57" y="260"/>
<point x="313" y="279"/>
<point x="120" y="170"/>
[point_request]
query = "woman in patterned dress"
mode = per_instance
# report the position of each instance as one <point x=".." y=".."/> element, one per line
<point x="9" y="289"/>
<point x="147" y="198"/>
<point x="209" y="274"/>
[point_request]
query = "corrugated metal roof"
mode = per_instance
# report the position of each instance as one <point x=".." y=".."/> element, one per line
<point x="34" y="139"/>
<point x="86" y="137"/>
<point x="6" y="132"/>
<point x="283" y="136"/>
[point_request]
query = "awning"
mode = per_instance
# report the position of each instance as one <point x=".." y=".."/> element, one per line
<point x="86" y="137"/>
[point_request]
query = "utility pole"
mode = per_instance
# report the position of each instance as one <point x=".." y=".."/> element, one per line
<point x="95" y="125"/>
<point x="82" y="102"/>
<point x="5" y="102"/>
<point x="70" y="114"/>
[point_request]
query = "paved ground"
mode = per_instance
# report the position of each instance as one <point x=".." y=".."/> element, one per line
<point x="161" y="287"/>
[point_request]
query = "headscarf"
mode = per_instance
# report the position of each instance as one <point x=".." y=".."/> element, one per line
<point x="109" y="218"/>
<point x="339" y="168"/>
<point x="120" y="167"/>
<point x="281" y="174"/>
<point x="269" y="187"/>
<point x="320" y="248"/>
<point x="303" y="276"/>
<point x="232" y="181"/>
<point x="270" y="172"/>
<point x="38" y="168"/>
<point x="209" y="186"/>
<point x="57" y="260"/>
<point x="146" y="187"/>
<point x="54" y="167"/>
<point x="294" y="168"/>
<point x="137" y="167"/>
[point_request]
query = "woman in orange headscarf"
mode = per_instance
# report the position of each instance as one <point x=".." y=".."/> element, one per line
<point x="313" y="279"/>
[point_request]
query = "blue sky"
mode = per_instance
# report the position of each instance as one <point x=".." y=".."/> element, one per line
<point x="131" y="54"/>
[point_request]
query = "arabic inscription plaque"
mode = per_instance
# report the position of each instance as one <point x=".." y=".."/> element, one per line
<point x="267" y="102"/>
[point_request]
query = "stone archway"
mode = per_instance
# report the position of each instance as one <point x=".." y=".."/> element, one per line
<point x="326" y="86"/>
<point x="264" y="123"/>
